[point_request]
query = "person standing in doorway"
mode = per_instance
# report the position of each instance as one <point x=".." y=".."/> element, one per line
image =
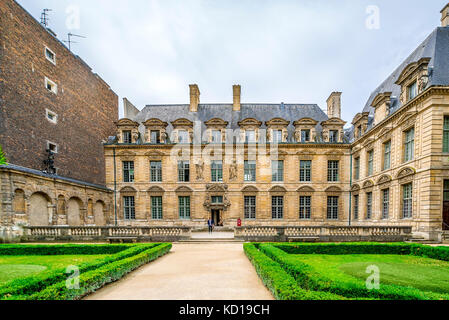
<point x="210" y="224"/>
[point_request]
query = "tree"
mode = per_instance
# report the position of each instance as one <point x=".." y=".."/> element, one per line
<point x="2" y="156"/>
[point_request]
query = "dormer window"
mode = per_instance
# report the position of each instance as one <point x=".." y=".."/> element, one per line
<point x="127" y="137"/>
<point x="216" y="136"/>
<point x="333" y="136"/>
<point x="250" y="136"/>
<point x="155" y="137"/>
<point x="277" y="136"/>
<point x="412" y="91"/>
<point x="359" y="131"/>
<point x="305" y="135"/>
<point x="183" y="136"/>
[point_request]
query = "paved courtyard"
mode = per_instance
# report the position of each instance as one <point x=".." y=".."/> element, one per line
<point x="209" y="271"/>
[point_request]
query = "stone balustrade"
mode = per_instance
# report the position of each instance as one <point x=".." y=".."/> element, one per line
<point x="105" y="233"/>
<point x="325" y="234"/>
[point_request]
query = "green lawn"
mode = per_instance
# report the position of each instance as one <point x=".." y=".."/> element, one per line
<point x="13" y="267"/>
<point x="421" y="273"/>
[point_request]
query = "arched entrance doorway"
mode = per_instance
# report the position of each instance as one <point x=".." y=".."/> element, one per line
<point x="39" y="210"/>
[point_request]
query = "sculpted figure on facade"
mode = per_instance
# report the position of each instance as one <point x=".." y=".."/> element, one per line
<point x="199" y="170"/>
<point x="233" y="171"/>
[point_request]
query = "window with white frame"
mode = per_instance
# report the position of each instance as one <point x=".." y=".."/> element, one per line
<point x="409" y="144"/>
<point x="183" y="136"/>
<point x="412" y="91"/>
<point x="277" y="168"/>
<point x="183" y="171"/>
<point x="217" y="171"/>
<point x="51" y="116"/>
<point x="277" y="136"/>
<point x="387" y="155"/>
<point x="356" y="207"/>
<point x="332" y="207"/>
<point x="128" y="171"/>
<point x="250" y="207"/>
<point x="51" y="86"/>
<point x="305" y="171"/>
<point x="385" y="203"/>
<point x="156" y="208"/>
<point x="277" y="207"/>
<point x="156" y="171"/>
<point x="184" y="207"/>
<point x="369" y="205"/>
<point x="250" y="171"/>
<point x="407" y="197"/>
<point x="216" y="136"/>
<point x="129" y="208"/>
<point x="370" y="163"/>
<point x="305" y="136"/>
<point x="332" y="170"/>
<point x="50" y="55"/>
<point x="53" y="147"/>
<point x="250" y="136"/>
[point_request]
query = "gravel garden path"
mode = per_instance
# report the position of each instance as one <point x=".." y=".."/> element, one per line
<point x="191" y="271"/>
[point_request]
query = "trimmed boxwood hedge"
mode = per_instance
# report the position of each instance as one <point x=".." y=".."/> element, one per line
<point x="29" y="285"/>
<point x="59" y="250"/>
<point x="281" y="284"/>
<point x="308" y="278"/>
<point x="97" y="278"/>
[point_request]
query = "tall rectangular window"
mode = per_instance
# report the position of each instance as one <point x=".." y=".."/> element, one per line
<point x="250" y="207"/>
<point x="129" y="208"/>
<point x="332" y="208"/>
<point x="446" y="190"/>
<point x="183" y="136"/>
<point x="127" y="136"/>
<point x="333" y="136"/>
<point x="277" y="207"/>
<point x="250" y="136"/>
<point x="156" y="171"/>
<point x="277" y="136"/>
<point x="183" y="171"/>
<point x="250" y="171"/>
<point x="385" y="203"/>
<point x="305" y="171"/>
<point x="446" y="135"/>
<point x="412" y="91"/>
<point x="369" y="205"/>
<point x="155" y="136"/>
<point x="332" y="170"/>
<point x="407" y="197"/>
<point x="216" y="136"/>
<point x="357" y="168"/>
<point x="409" y="145"/>
<point x="387" y="155"/>
<point x="356" y="207"/>
<point x="184" y="207"/>
<point x="217" y="171"/>
<point x="305" y="207"/>
<point x="128" y="171"/>
<point x="370" y="163"/>
<point x="277" y="170"/>
<point x="305" y="136"/>
<point x="50" y="55"/>
<point x="156" y="208"/>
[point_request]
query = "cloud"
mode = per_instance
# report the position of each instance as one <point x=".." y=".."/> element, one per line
<point x="278" y="50"/>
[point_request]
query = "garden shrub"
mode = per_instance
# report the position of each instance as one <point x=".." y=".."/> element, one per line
<point x="97" y="278"/>
<point x="29" y="285"/>
<point x="282" y="285"/>
<point x="65" y="249"/>
<point x="308" y="278"/>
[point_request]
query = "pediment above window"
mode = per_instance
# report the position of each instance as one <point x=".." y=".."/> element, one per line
<point x="384" y="132"/>
<point x="412" y="69"/>
<point x="333" y="122"/>
<point x="277" y="122"/>
<point x="384" y="97"/>
<point x="368" y="184"/>
<point x="408" y="171"/>
<point x="156" y="190"/>
<point x="407" y="119"/>
<point x="305" y="122"/>
<point x="128" y="190"/>
<point x="334" y="189"/>
<point x="250" y="122"/>
<point x="384" y="179"/>
<point x="126" y="153"/>
<point x="368" y="143"/>
<point x="305" y="189"/>
<point x="278" y="189"/>
<point x="182" y="123"/>
<point x="360" y="116"/>
<point x="184" y="190"/>
<point x="216" y="123"/>
<point x="250" y="189"/>
<point x="155" y="123"/>
<point x="355" y="187"/>
<point x="126" y="123"/>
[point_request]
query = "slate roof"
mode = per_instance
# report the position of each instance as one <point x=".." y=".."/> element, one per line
<point x="206" y="112"/>
<point x="51" y="176"/>
<point x="435" y="47"/>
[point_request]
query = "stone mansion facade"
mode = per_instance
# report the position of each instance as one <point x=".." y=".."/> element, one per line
<point x="292" y="164"/>
<point x="264" y="164"/>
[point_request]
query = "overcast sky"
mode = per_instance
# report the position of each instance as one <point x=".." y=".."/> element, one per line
<point x="292" y="51"/>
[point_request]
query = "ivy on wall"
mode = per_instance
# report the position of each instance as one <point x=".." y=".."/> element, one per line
<point x="2" y="156"/>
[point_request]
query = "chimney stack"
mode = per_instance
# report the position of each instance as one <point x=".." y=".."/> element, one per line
<point x="194" y="97"/>
<point x="445" y="16"/>
<point x="237" y="91"/>
<point x="334" y="105"/>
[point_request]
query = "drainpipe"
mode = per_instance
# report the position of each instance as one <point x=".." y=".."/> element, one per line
<point x="115" y="189"/>
<point x="350" y="191"/>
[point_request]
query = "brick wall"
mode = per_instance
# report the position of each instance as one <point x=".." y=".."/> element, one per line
<point x="85" y="105"/>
